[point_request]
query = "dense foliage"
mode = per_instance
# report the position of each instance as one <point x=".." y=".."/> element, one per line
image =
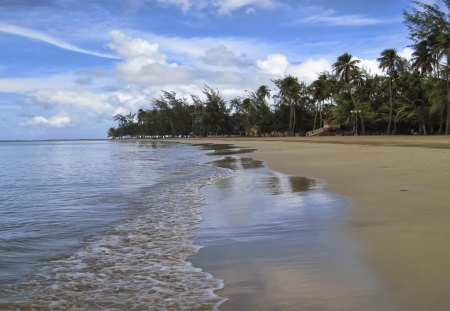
<point x="413" y="97"/>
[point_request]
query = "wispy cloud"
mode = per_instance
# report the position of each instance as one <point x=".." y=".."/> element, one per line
<point x="330" y="17"/>
<point x="226" y="6"/>
<point x="222" y="6"/>
<point x="43" y="37"/>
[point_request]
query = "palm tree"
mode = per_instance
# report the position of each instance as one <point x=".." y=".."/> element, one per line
<point x="389" y="62"/>
<point x="263" y="92"/>
<point x="345" y="67"/>
<point x="422" y="58"/>
<point x="442" y="50"/>
<point x="429" y="27"/>
<point x="321" y="90"/>
<point x="290" y="92"/>
<point x="263" y="113"/>
<point x="346" y="70"/>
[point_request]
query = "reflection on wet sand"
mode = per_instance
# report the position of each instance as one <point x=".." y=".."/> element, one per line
<point x="300" y="184"/>
<point x="238" y="163"/>
<point x="274" y="184"/>
<point x="277" y="243"/>
<point x="224" y="149"/>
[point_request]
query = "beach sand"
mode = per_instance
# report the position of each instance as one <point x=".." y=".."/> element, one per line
<point x="400" y="203"/>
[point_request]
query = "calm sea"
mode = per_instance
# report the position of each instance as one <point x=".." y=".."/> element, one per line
<point x="104" y="225"/>
<point x="96" y="225"/>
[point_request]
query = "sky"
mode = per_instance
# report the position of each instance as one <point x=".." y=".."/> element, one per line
<point x="68" y="66"/>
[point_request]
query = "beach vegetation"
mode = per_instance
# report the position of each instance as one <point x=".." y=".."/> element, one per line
<point x="411" y="97"/>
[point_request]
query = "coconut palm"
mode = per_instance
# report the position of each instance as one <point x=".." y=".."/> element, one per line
<point x="321" y="90"/>
<point x="422" y="58"/>
<point x="429" y="27"/>
<point x="345" y="67"/>
<point x="389" y="62"/>
<point x="441" y="48"/>
<point x="290" y="93"/>
<point x="263" y="92"/>
<point x="347" y="71"/>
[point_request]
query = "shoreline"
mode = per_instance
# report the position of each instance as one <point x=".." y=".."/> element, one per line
<point x="400" y="203"/>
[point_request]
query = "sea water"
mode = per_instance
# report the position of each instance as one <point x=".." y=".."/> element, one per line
<point x="98" y="225"/>
<point x="104" y="225"/>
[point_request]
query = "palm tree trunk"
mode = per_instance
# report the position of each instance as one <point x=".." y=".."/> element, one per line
<point x="290" y="118"/>
<point x="363" y="127"/>
<point x="321" y="113"/>
<point x="447" y="125"/>
<point x="171" y="127"/>
<point x="390" y="106"/>
<point x="441" y="121"/>
<point x="293" y="123"/>
<point x="315" y="116"/>
<point x="424" y="127"/>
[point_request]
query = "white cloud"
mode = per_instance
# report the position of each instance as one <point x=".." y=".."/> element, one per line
<point x="406" y="53"/>
<point x="58" y="121"/>
<point x="40" y="36"/>
<point x="128" y="47"/>
<point x="222" y="6"/>
<point x="193" y="48"/>
<point x="310" y="69"/>
<point x="221" y="56"/>
<point x="330" y="17"/>
<point x="275" y="64"/>
<point x="84" y="107"/>
<point x="73" y="98"/>
<point x="226" y="6"/>
<point x="370" y="65"/>
<point x="184" y="4"/>
<point x="144" y="64"/>
<point x="87" y="103"/>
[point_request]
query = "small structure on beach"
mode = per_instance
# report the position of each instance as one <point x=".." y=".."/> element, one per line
<point x="328" y="129"/>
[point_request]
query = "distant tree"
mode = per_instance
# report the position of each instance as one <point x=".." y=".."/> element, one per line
<point x="289" y="93"/>
<point x="322" y="89"/>
<point x="390" y="61"/>
<point x="429" y="28"/>
<point x="216" y="112"/>
<point x="347" y="71"/>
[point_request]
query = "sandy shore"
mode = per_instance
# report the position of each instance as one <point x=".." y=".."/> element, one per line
<point x="400" y="192"/>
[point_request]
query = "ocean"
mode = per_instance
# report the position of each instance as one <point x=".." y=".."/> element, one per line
<point x="107" y="225"/>
<point x="96" y="225"/>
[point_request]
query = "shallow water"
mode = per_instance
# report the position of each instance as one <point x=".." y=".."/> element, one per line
<point x="102" y="225"/>
<point x="280" y="243"/>
<point x="118" y="226"/>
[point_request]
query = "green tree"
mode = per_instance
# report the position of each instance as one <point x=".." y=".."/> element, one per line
<point x="321" y="89"/>
<point x="390" y="62"/>
<point x="216" y="112"/>
<point x="347" y="71"/>
<point x="429" y="27"/>
<point x="289" y="93"/>
<point x="262" y="115"/>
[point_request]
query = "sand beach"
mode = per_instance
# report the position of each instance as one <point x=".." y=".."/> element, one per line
<point x="399" y="189"/>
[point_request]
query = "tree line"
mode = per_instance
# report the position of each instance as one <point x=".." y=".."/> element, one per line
<point x="411" y="97"/>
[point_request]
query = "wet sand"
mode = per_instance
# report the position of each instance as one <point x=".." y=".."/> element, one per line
<point x="400" y="203"/>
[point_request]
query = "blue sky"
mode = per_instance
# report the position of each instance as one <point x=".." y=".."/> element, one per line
<point x="68" y="66"/>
